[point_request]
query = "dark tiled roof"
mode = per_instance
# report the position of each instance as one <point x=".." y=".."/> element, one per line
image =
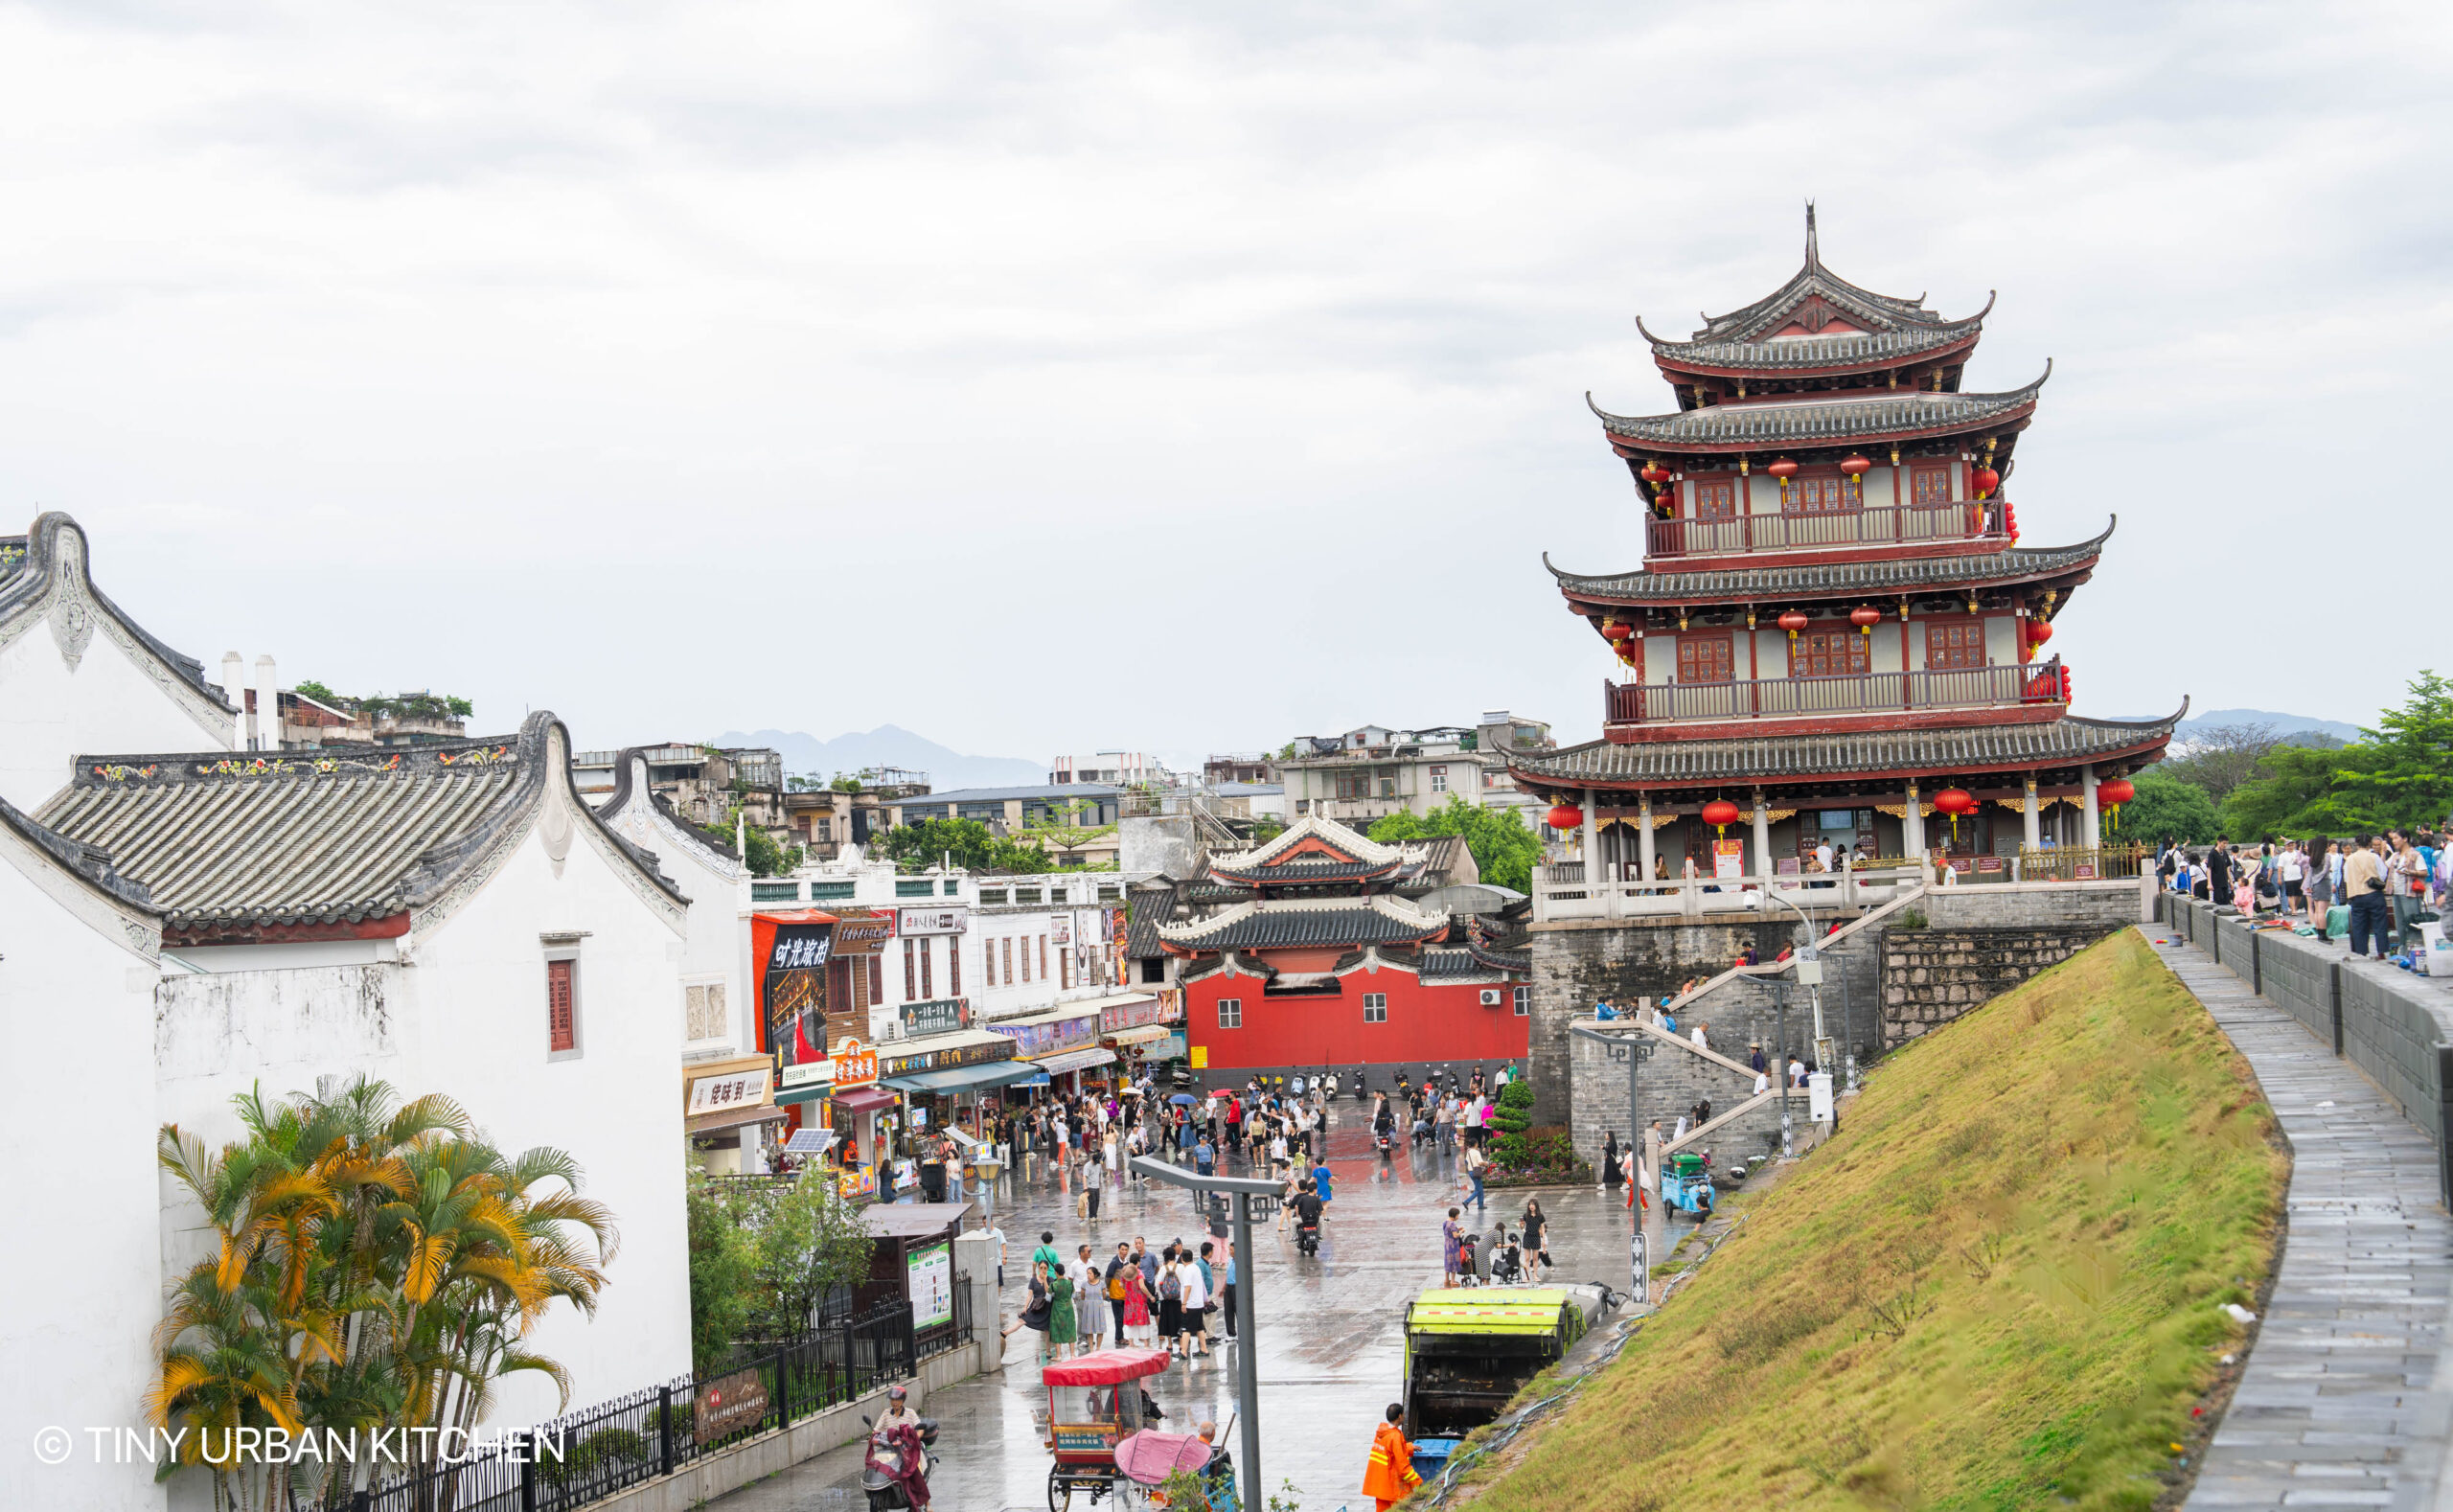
<point x="1145" y="908"/>
<point x="1210" y="892"/>
<point x="1966" y="748"/>
<point x="1814" y="280"/>
<point x="1288" y="874"/>
<point x="1270" y="926"/>
<point x="86" y="862"/>
<point x="1436" y="964"/>
<point x="224" y="839"/>
<point x="1892" y="574"/>
<point x="1850" y="349"/>
<point x="1501" y="959"/>
<point x="1779" y="422"/>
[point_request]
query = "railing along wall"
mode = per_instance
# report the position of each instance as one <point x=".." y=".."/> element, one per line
<point x="1884" y="526"/>
<point x="1870" y="692"/>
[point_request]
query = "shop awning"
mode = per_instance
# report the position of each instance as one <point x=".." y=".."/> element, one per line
<point x="1076" y="1061"/>
<point x="815" y="1092"/>
<point x="965" y="1078"/>
<point x="1139" y="1034"/>
<point x="1063" y="1012"/>
<point x="734" y="1118"/>
<point x="864" y="1099"/>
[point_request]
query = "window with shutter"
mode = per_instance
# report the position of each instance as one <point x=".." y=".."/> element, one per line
<point x="1706" y="659"/>
<point x="954" y="965"/>
<point x="1829" y="654"/>
<point x="1930" y="486"/>
<point x="1819" y="495"/>
<point x="1043" y="957"/>
<point x="926" y="988"/>
<point x="1954" y="643"/>
<point x="910" y="976"/>
<point x="1716" y="500"/>
<point x="1065" y="968"/>
<point x="877" y="980"/>
<point x="561" y="1009"/>
<point x="1026" y="957"/>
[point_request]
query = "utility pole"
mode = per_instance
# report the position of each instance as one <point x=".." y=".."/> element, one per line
<point x="1631" y="1049"/>
<point x="1247" y="1384"/>
<point x="1788" y="1140"/>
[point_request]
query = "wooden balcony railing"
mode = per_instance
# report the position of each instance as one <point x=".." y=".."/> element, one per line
<point x="1902" y="525"/>
<point x="1862" y="693"/>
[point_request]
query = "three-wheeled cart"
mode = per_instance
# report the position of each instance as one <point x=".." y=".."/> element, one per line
<point x="1093" y="1403"/>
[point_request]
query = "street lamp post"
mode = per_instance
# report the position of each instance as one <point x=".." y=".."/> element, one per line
<point x="1809" y="976"/>
<point x="1630" y="1051"/>
<point x="1248" y="1388"/>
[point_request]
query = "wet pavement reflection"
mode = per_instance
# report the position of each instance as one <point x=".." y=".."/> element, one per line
<point x="1331" y="1327"/>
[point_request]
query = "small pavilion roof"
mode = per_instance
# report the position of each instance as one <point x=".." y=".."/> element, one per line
<point x="1297" y="921"/>
<point x="1813" y="283"/>
<point x="1834" y="578"/>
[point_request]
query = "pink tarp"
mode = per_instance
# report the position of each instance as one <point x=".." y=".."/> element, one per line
<point x="1148" y="1458"/>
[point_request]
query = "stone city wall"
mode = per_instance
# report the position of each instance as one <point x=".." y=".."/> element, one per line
<point x="1931" y="976"/>
<point x="2395" y="1028"/>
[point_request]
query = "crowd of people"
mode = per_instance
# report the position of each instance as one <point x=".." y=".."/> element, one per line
<point x="2382" y="883"/>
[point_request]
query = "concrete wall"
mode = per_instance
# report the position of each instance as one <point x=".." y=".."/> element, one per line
<point x="1166" y="842"/>
<point x="2395" y="1028"/>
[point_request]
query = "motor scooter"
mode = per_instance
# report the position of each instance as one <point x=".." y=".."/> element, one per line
<point x="882" y="1462"/>
<point x="1307" y="1236"/>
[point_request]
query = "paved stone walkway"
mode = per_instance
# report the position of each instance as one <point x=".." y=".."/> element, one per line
<point x="2335" y="1406"/>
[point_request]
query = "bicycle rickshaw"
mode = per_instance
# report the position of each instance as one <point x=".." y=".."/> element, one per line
<point x="1097" y="1425"/>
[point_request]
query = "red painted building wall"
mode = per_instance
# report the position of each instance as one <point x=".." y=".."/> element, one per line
<point x="1426" y="1026"/>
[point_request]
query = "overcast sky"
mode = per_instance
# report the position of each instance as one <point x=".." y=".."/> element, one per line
<point x="1065" y="376"/>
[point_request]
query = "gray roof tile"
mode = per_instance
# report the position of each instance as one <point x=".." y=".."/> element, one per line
<point x="1889" y="575"/>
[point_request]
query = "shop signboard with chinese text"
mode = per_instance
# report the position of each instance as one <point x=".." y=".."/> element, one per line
<point x="932" y="921"/>
<point x="1035" y="1040"/>
<point x="864" y="933"/>
<point x="729" y="1085"/>
<point x="795" y="948"/>
<point x="1129" y="1016"/>
<point x="729" y="1404"/>
<point x="936" y="1016"/>
<point x="817" y="1073"/>
<point x="945" y="1059"/>
<point x="855" y="1065"/>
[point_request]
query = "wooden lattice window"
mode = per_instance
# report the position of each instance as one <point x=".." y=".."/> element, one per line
<point x="1929" y="487"/>
<point x="1831" y="495"/>
<point x="1706" y="659"/>
<point x="1955" y="643"/>
<point x="1716" y="500"/>
<point x="926" y="988"/>
<point x="562" y="1022"/>
<point x="1830" y="654"/>
<point x="954" y="965"/>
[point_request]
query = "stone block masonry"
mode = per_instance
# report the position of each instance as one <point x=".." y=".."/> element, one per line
<point x="1931" y="976"/>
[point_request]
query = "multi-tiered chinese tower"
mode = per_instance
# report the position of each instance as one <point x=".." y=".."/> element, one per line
<point x="1836" y="638"/>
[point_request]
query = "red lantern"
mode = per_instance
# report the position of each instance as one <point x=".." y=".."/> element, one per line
<point x="1616" y="630"/>
<point x="1854" y="466"/>
<point x="2115" y="793"/>
<point x="1654" y="473"/>
<point x="2039" y="630"/>
<point x="1984" y="480"/>
<point x="1783" y="469"/>
<point x="1630" y="650"/>
<point x="1720" y="814"/>
<point x="2011" y="519"/>
<point x="2065" y="684"/>
<point x="1864" y="617"/>
<point x="1565" y="816"/>
<point x="1954" y="801"/>
<point x="1793" y="621"/>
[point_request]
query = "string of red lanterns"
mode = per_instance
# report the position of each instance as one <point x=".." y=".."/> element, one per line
<point x="2117" y="791"/>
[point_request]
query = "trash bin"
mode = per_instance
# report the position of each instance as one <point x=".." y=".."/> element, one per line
<point x="2434" y="954"/>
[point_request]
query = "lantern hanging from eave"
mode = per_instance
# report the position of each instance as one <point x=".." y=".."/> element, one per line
<point x="1856" y="465"/>
<point x="1984" y="480"/>
<point x="2039" y="629"/>
<point x="1654" y="473"/>
<point x="1864" y="616"/>
<point x="1793" y="621"/>
<point x="1783" y="469"/>
<point x="2117" y="791"/>
<point x="1563" y="816"/>
<point x="1954" y="801"/>
<point x="1616" y="630"/>
<point x="1720" y="814"/>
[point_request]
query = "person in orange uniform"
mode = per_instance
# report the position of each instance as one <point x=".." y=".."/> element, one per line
<point x="1391" y="1473"/>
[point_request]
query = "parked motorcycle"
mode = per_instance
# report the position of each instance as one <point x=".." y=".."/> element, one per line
<point x="883" y="1463"/>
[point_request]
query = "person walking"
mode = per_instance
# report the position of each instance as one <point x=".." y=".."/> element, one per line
<point x="1610" y="1175"/>
<point x="1171" y="1307"/>
<point x="1064" y="1329"/>
<point x="1452" y="1244"/>
<point x="1121" y="1278"/>
<point x="1192" y="1294"/>
<point x="1537" y="1227"/>
<point x="1475" y="1162"/>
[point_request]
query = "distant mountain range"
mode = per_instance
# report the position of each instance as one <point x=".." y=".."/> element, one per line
<point x="890" y="746"/>
<point x="2284" y="724"/>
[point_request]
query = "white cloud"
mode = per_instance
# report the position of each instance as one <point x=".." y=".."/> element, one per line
<point x="1103" y="376"/>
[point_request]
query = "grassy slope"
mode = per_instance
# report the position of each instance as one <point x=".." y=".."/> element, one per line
<point x="2098" y="1136"/>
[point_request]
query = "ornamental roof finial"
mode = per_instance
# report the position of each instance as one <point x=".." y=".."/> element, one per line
<point x="1813" y="255"/>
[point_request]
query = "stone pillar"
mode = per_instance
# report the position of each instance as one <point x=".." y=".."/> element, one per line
<point x="1586" y="841"/>
<point x="1643" y="837"/>
<point x="2035" y="832"/>
<point x="2094" y="833"/>
<point x="1608" y="871"/>
<point x="1763" y="838"/>
<point x="1911" y="824"/>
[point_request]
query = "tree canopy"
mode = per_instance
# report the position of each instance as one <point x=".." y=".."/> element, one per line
<point x="1503" y="848"/>
<point x="2168" y="807"/>
<point x="2398" y="775"/>
<point x="925" y="842"/>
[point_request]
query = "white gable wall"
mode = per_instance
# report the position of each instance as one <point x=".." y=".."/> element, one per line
<point x="109" y="703"/>
<point x="82" y="1285"/>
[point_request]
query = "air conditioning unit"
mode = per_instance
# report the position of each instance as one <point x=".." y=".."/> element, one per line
<point x="1490" y="997"/>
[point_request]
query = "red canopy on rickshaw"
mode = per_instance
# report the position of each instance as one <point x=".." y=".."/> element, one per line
<point x="1106" y="1368"/>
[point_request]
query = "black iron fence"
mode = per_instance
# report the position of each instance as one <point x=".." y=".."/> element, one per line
<point x="588" y="1456"/>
